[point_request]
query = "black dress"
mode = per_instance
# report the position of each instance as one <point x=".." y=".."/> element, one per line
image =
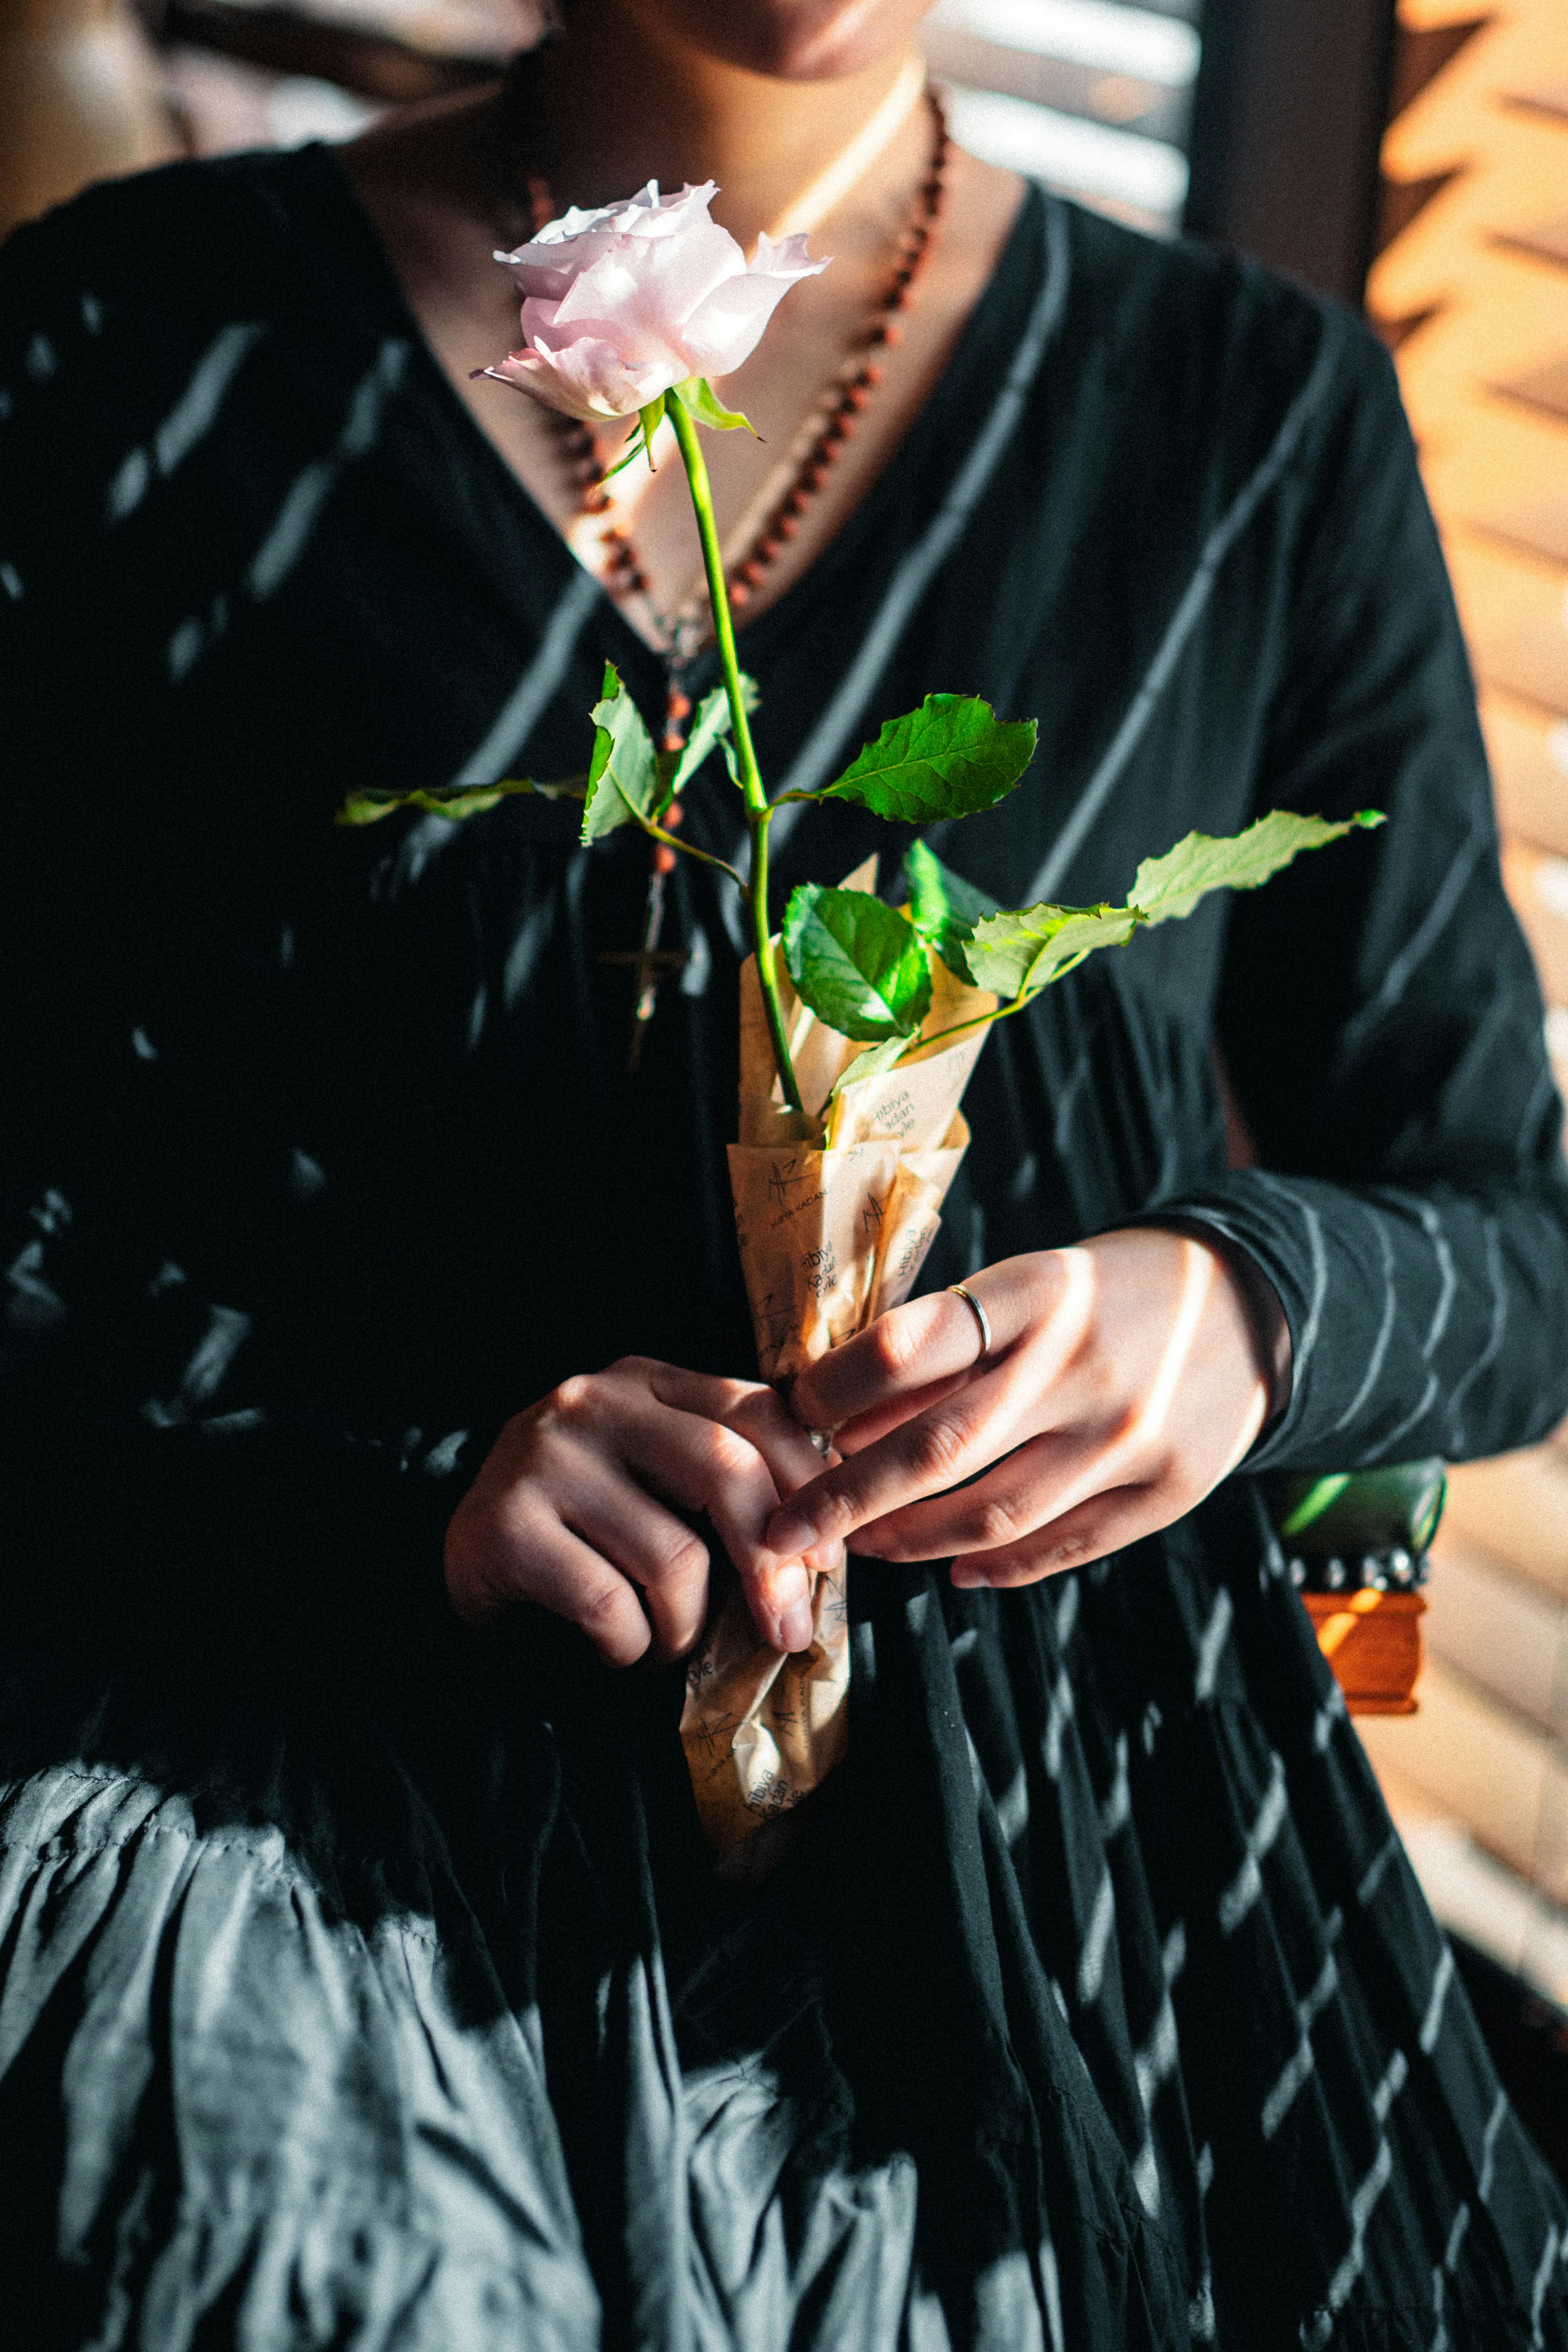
<point x="366" y="1984"/>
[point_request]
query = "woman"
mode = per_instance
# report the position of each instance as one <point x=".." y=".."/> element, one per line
<point x="368" y="1980"/>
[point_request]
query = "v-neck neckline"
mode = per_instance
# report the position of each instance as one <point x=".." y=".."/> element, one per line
<point x="756" y="639"/>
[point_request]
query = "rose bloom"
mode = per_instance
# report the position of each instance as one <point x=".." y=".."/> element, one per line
<point x="623" y="302"/>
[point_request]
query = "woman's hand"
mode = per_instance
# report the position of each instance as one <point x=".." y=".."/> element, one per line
<point x="570" y="1509"/>
<point x="1125" y="1379"/>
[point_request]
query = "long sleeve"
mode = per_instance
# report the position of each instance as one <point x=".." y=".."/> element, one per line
<point x="1380" y="1015"/>
<point x="149" y="1218"/>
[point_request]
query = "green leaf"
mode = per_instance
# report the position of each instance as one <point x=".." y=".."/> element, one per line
<point x="1016" y="953"/>
<point x="944" y="908"/>
<point x="869" y="1064"/>
<point x="370" y="807"/>
<point x="623" y="774"/>
<point x="641" y="443"/>
<point x="570" y="788"/>
<point x="710" y="727"/>
<point x="859" y="965"/>
<point x="950" y="757"/>
<point x="698" y="397"/>
<point x="632" y="452"/>
<point x="1167" y="888"/>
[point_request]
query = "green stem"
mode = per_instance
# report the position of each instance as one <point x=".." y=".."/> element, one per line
<point x="1002" y="1013"/>
<point x="689" y="849"/>
<point x="758" y="811"/>
<point x="980" y="1019"/>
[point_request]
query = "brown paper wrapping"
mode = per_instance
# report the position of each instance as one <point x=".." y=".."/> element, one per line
<point x="763" y="1728"/>
<point x="835" y="1207"/>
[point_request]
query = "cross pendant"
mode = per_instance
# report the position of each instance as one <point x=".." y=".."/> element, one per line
<point x="650" y="965"/>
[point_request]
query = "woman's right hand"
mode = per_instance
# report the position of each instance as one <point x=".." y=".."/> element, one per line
<point x="570" y="1509"/>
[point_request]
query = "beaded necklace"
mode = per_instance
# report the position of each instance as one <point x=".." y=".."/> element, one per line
<point x="830" y="425"/>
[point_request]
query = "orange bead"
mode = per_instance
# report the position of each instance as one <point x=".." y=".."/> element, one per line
<point x="672" y="817"/>
<point x="678" y="705"/>
<point x="663" y="858"/>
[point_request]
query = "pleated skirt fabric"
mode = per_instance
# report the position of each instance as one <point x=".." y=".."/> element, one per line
<point x="1099" y="2012"/>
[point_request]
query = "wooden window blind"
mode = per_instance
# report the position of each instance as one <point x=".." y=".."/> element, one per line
<point x="1472" y="290"/>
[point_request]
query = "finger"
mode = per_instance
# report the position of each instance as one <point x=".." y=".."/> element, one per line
<point x="543" y="1561"/>
<point x="650" y="1546"/>
<point x="1107" y="1523"/>
<point x="909" y="1347"/>
<point x="705" y="1465"/>
<point x="938" y="1339"/>
<point x="937" y="1449"/>
<point x="773" y="1428"/>
<point x="1044" y="1479"/>
<point x="755" y="1412"/>
<point x="854" y="1437"/>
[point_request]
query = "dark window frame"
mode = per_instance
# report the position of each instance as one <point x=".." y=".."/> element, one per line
<point x="1292" y="97"/>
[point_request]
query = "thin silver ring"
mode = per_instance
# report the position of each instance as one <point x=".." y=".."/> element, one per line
<point x="980" y="1316"/>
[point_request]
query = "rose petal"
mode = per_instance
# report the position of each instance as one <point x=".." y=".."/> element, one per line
<point x="621" y="301"/>
<point x="525" y="374"/>
<point x="789" y="257"/>
<point x="639" y="360"/>
<point x="728" y="323"/>
<point x="682" y="269"/>
<point x="590" y="377"/>
<point x="564" y="249"/>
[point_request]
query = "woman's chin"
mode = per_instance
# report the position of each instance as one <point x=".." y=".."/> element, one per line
<point x="789" y="40"/>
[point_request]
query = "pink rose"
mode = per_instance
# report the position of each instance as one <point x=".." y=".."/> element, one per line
<point x="622" y="303"/>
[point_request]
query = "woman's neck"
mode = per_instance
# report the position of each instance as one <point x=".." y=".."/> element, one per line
<point x="609" y="108"/>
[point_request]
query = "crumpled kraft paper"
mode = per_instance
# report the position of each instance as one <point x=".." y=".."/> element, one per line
<point x="835" y="1207"/>
<point x="763" y="1728"/>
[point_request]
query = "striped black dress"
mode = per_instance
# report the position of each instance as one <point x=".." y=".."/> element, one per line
<point x="365" y="1984"/>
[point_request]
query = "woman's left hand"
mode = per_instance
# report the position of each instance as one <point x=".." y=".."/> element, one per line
<point x="1125" y="1379"/>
